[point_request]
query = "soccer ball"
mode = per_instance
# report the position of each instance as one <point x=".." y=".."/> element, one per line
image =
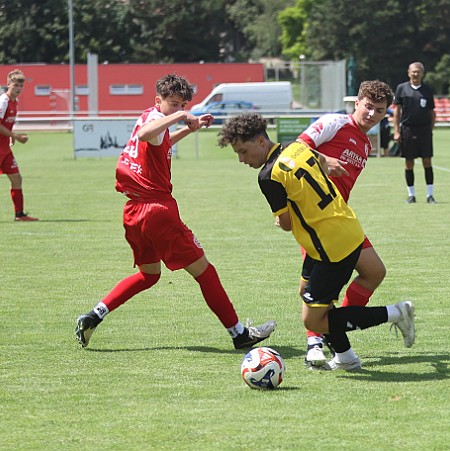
<point x="263" y="368"/>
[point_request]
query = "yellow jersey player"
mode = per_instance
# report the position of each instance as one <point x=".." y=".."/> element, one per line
<point x="342" y="139"/>
<point x="327" y="234"/>
<point x="295" y="183"/>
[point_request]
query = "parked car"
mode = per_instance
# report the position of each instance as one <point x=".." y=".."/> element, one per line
<point x="220" y="109"/>
<point x="273" y="95"/>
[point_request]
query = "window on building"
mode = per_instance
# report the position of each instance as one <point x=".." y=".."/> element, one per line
<point x="42" y="90"/>
<point x="81" y="90"/>
<point x="122" y="90"/>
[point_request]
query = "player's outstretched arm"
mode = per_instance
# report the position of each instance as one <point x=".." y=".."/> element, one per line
<point x="193" y="123"/>
<point x="154" y="128"/>
<point x="335" y="166"/>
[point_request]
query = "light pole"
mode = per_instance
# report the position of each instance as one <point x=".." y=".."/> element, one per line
<point x="71" y="60"/>
<point x="302" y="80"/>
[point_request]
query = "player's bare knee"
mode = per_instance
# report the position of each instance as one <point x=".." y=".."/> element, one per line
<point x="313" y="326"/>
<point x="16" y="180"/>
<point x="378" y="274"/>
<point x="371" y="277"/>
<point x="375" y="277"/>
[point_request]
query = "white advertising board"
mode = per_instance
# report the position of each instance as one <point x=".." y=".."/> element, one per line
<point x="101" y="137"/>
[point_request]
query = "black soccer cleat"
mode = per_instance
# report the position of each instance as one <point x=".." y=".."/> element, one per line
<point x="86" y="325"/>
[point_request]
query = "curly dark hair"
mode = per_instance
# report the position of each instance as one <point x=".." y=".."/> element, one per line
<point x="244" y="127"/>
<point x="173" y="85"/>
<point x="376" y="91"/>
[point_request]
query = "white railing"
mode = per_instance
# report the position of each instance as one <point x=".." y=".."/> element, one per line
<point x="56" y="121"/>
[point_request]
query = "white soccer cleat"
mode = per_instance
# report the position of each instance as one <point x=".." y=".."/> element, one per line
<point x="262" y="331"/>
<point x="354" y="365"/>
<point x="406" y="322"/>
<point x="253" y="334"/>
<point x="315" y="356"/>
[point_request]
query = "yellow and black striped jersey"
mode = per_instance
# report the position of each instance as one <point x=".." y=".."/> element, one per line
<point x="323" y="224"/>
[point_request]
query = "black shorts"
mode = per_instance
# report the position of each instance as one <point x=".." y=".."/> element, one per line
<point x="327" y="279"/>
<point x="416" y="142"/>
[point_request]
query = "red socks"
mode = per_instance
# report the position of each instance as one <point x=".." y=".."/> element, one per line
<point x="17" y="198"/>
<point x="312" y="334"/>
<point x="213" y="292"/>
<point x="216" y="297"/>
<point x="356" y="295"/>
<point x="128" y="288"/>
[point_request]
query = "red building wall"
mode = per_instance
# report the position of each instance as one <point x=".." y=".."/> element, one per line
<point x="204" y="76"/>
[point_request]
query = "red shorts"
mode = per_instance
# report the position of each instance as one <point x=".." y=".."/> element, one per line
<point x="155" y="232"/>
<point x="8" y="164"/>
<point x="366" y="243"/>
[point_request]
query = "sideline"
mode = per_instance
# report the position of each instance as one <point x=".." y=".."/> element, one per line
<point x="442" y="169"/>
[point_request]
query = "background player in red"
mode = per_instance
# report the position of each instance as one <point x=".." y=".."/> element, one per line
<point x="343" y="140"/>
<point x="8" y="164"/>
<point x="153" y="227"/>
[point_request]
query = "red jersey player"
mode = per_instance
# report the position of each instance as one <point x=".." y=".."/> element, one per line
<point x="153" y="227"/>
<point x="8" y="164"/>
<point x="343" y="140"/>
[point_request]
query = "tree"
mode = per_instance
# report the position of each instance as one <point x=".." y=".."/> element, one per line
<point x="103" y="27"/>
<point x="34" y="34"/>
<point x="440" y="77"/>
<point x="294" y="22"/>
<point x="257" y="21"/>
<point x="140" y="30"/>
<point x="40" y="32"/>
<point x="179" y="30"/>
<point x="384" y="40"/>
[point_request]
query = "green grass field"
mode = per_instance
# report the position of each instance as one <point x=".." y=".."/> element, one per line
<point x="160" y="373"/>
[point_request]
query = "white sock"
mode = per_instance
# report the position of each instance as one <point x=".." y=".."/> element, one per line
<point x="411" y="191"/>
<point x="236" y="330"/>
<point x="101" y="310"/>
<point x="314" y="340"/>
<point x="394" y="314"/>
<point x="430" y="190"/>
<point x="346" y="357"/>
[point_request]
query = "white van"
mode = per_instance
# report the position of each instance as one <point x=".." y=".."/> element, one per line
<point x="271" y="96"/>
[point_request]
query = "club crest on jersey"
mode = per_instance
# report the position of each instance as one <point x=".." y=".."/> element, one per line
<point x="197" y="242"/>
<point x="286" y="164"/>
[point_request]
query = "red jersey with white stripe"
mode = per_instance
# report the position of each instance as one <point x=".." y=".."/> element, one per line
<point x="8" y="113"/>
<point x="144" y="170"/>
<point x="338" y="136"/>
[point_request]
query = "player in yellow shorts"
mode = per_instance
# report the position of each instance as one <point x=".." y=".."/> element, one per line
<point x="295" y="183"/>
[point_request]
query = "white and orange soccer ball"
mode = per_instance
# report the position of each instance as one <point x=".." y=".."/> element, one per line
<point x="263" y="368"/>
